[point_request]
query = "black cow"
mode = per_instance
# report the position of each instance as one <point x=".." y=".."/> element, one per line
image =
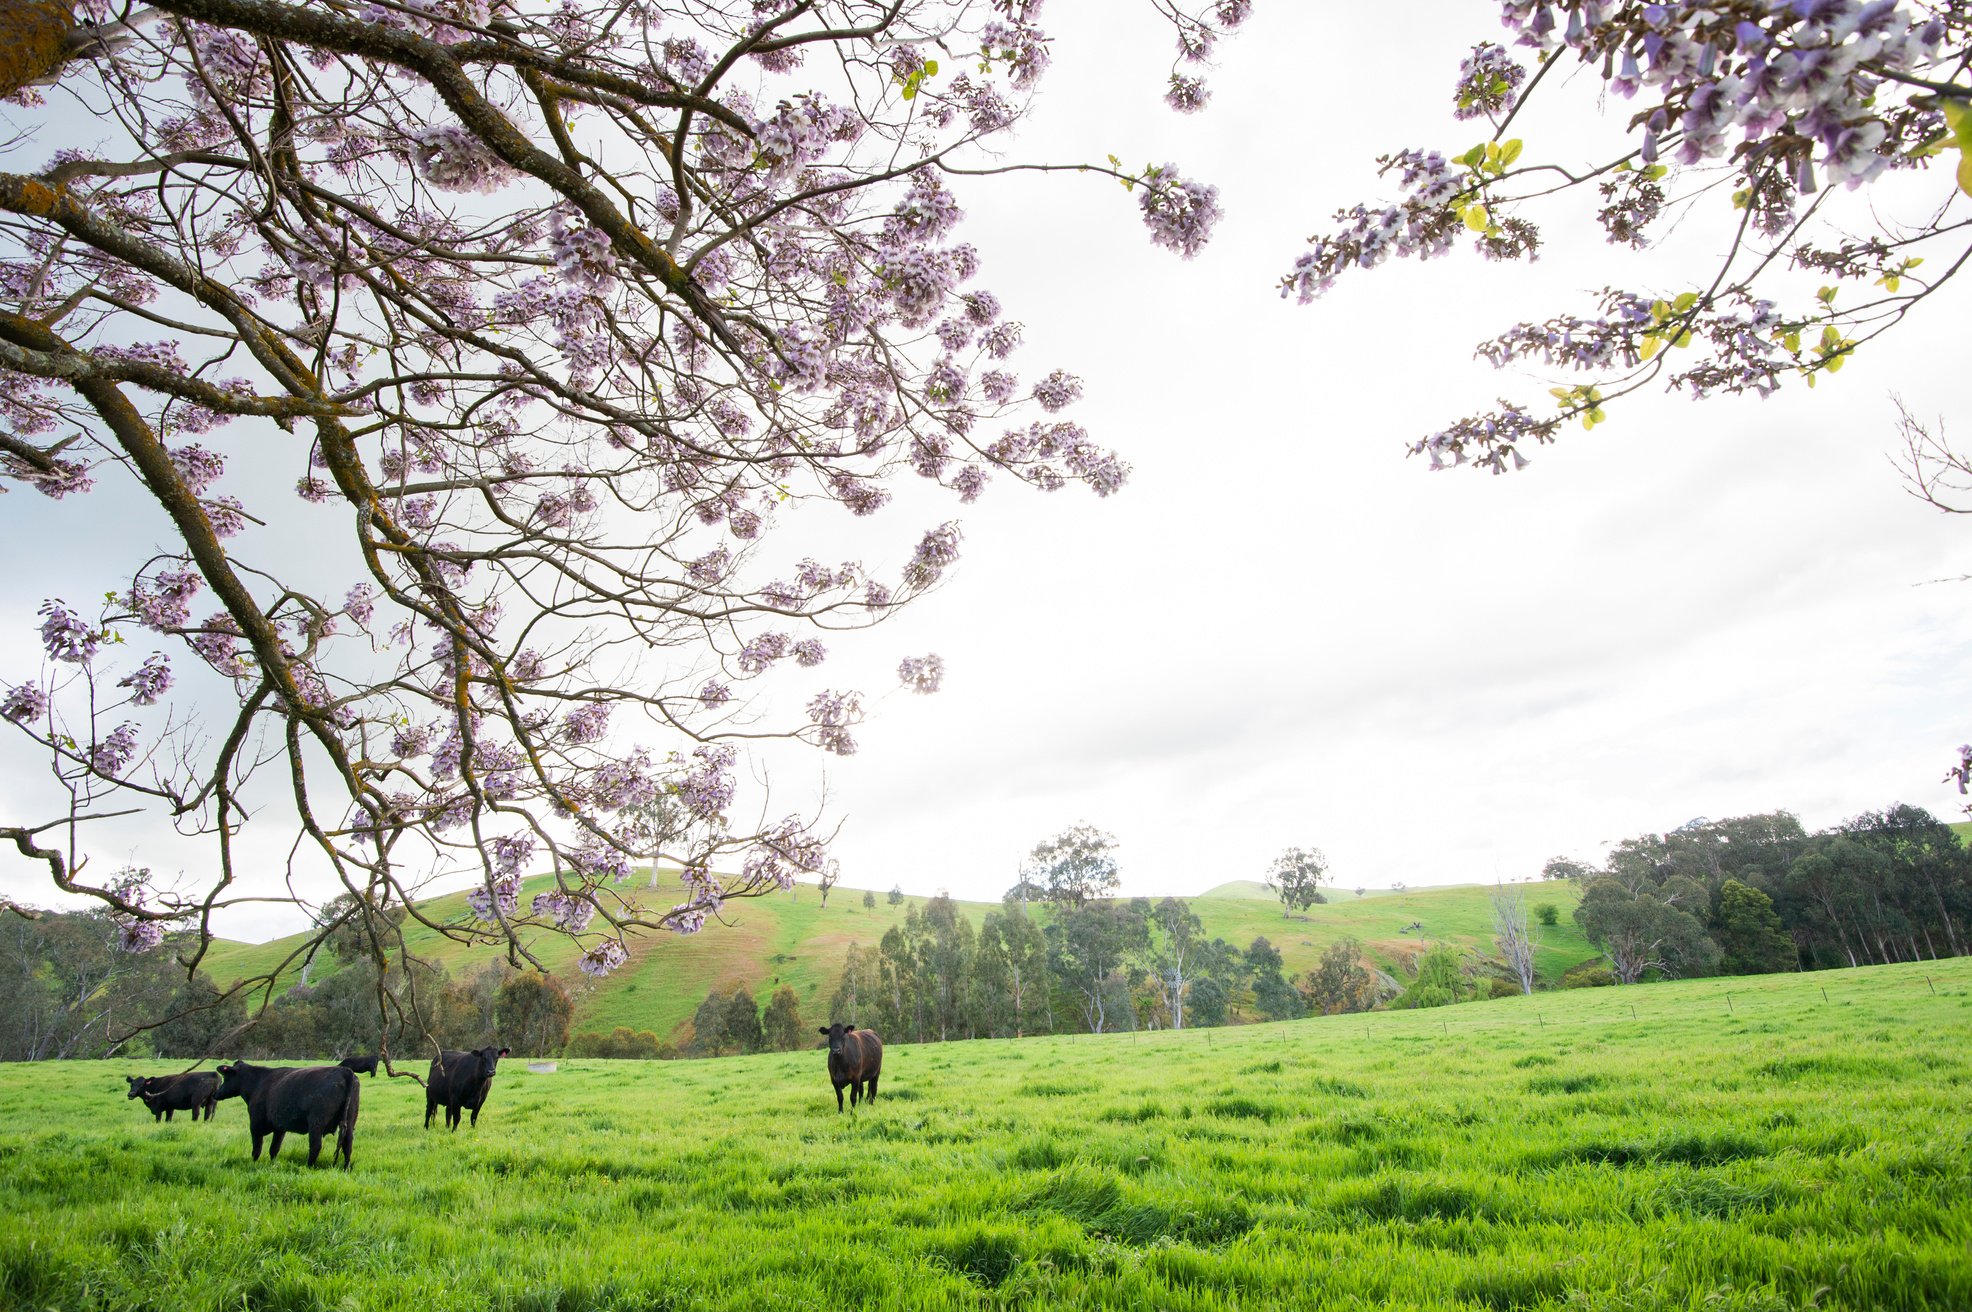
<point x="315" y="1100"/>
<point x="361" y="1065"/>
<point x="164" y="1094"/>
<point x="855" y="1059"/>
<point x="460" y="1080"/>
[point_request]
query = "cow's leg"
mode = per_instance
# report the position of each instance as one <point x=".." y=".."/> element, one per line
<point x="274" y="1148"/>
<point x="314" y="1146"/>
<point x="869" y="1093"/>
<point x="838" y="1098"/>
<point x="167" y="1114"/>
<point x="855" y="1092"/>
<point x="475" y="1116"/>
<point x="257" y="1136"/>
<point x="431" y="1105"/>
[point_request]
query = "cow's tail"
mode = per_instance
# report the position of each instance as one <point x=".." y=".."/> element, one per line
<point x="352" y="1097"/>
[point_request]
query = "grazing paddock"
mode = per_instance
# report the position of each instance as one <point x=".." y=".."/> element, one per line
<point x="1773" y="1151"/>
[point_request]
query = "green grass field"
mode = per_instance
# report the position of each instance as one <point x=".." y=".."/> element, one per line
<point x="1779" y="1142"/>
<point x="794" y="940"/>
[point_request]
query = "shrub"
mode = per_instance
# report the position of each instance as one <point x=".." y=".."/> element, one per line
<point x="621" y="1042"/>
<point x="1547" y="913"/>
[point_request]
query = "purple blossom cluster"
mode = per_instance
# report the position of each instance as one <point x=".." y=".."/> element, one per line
<point x="66" y="636"/>
<point x="587" y="723"/>
<point x="1488" y="80"/>
<point x="1187" y="95"/>
<point x="936" y="552"/>
<point x="1423" y="225"/>
<point x="495" y="900"/>
<point x="165" y="602"/>
<point x="603" y="959"/>
<point x="1179" y="213"/>
<point x="1781" y="76"/>
<point x="570" y="913"/>
<point x="512" y="854"/>
<point x="706" y="788"/>
<point x="112" y="756"/>
<point x="453" y="159"/>
<point x="922" y="674"/>
<point x="24" y="702"/>
<point x="832" y="714"/>
<point x="1058" y="391"/>
<point x="149" y="681"/>
<point x="784" y="852"/>
<point x="217" y="641"/>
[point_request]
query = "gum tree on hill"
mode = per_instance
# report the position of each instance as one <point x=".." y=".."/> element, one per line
<point x="1296" y="878"/>
<point x="540" y="315"/>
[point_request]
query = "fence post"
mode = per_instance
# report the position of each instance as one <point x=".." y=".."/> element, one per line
<point x="1933" y="987"/>
<point x="1728" y="1004"/>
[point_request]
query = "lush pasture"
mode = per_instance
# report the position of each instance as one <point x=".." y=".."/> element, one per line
<point x="794" y="940"/>
<point x="1545" y="1152"/>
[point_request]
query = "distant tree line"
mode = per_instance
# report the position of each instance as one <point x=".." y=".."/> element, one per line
<point x="1759" y="893"/>
<point x="1093" y="966"/>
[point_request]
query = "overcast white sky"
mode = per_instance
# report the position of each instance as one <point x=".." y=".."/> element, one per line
<point x="1286" y="633"/>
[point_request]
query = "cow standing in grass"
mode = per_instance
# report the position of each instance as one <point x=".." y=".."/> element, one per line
<point x="459" y="1080"/>
<point x="165" y="1094"/>
<point x="361" y="1065"/>
<point x="311" y="1100"/>
<point x="855" y="1059"/>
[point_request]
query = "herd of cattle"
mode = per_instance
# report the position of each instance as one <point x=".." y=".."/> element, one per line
<point x="323" y="1100"/>
<point x="315" y="1100"/>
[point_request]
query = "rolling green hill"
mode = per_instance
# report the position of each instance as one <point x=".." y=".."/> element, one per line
<point x="793" y="940"/>
<point x="1777" y="1143"/>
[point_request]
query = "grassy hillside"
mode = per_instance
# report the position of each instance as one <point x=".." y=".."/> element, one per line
<point x="1781" y="1142"/>
<point x="794" y="940"/>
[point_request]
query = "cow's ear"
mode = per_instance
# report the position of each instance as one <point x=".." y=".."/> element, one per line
<point x="821" y="1029"/>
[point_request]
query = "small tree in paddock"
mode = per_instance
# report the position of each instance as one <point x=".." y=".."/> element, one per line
<point x="781" y="1029"/>
<point x="869" y="901"/>
<point x="1296" y="877"/>
<point x="743" y="1032"/>
<point x="1512" y="936"/>
<point x="1339" y="982"/>
<point x="1548" y="914"/>
<point x="1076" y="866"/>
<point x="531" y="1013"/>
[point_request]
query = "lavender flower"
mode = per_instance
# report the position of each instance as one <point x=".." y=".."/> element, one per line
<point x="453" y="159"/>
<point x="149" y="681"/>
<point x="604" y="958"/>
<point x="111" y="757"/>
<point x="24" y="702"/>
<point x="587" y="723"/>
<point x="571" y="914"/>
<point x="1180" y="214"/>
<point x="66" y="636"/>
<point x="1058" y="391"/>
<point x="1187" y="95"/>
<point x="922" y="674"/>
<point x="715" y="693"/>
<point x="499" y="901"/>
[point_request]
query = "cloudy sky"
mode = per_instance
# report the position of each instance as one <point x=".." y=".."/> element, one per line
<point x="1285" y="633"/>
